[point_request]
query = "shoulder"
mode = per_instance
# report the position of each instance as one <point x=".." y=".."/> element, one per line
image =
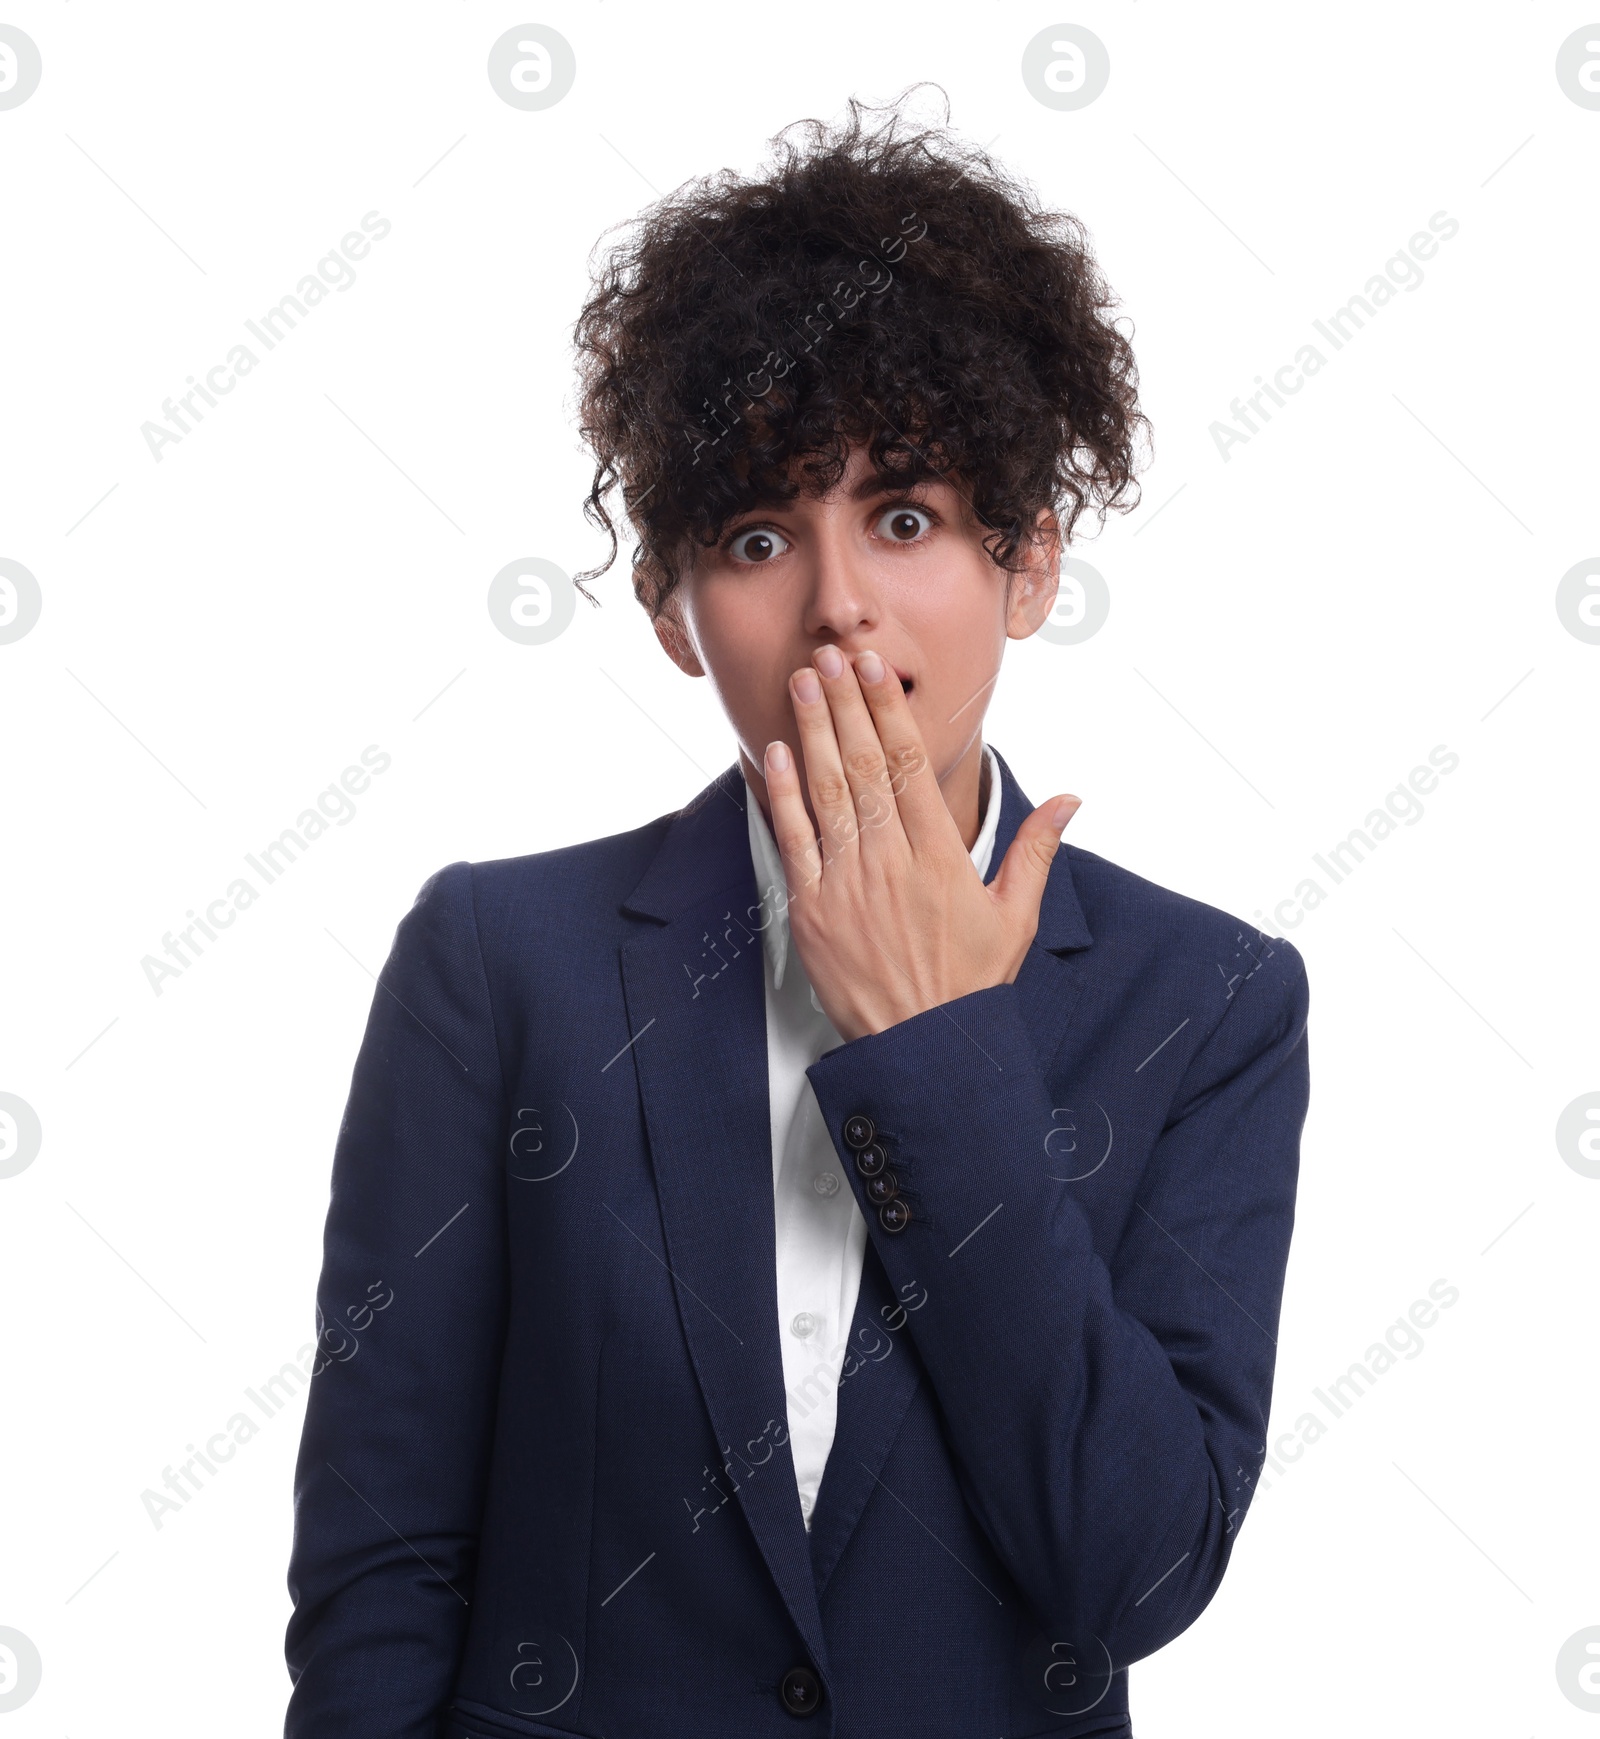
<point x="573" y="889"/>
<point x="1142" y="928"/>
<point x="594" y="874"/>
<point x="1175" y="965"/>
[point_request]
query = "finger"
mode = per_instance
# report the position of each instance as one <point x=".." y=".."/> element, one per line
<point x="831" y="801"/>
<point x="1020" y="882"/>
<point x="791" y="826"/>
<point x="924" y="814"/>
<point x="860" y="751"/>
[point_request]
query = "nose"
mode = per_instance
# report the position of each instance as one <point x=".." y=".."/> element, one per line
<point x="843" y="601"/>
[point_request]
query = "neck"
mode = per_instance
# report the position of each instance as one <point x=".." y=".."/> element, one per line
<point x="964" y="787"/>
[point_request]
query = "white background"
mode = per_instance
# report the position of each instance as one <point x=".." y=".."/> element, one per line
<point x="1291" y="631"/>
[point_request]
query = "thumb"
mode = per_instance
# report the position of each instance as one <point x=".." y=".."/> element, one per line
<point x="1019" y="885"/>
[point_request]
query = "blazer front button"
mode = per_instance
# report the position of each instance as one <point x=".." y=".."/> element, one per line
<point x="894" y="1216"/>
<point x="858" y="1131"/>
<point x="801" y="1692"/>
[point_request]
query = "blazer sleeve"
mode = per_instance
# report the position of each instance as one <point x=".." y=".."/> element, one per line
<point x="390" y="1479"/>
<point x="1107" y="1412"/>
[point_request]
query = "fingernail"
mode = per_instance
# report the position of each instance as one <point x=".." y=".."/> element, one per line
<point x="829" y="662"/>
<point x="778" y="757"/>
<point x="1065" y="809"/>
<point x="869" y="667"/>
<point x="806" y="686"/>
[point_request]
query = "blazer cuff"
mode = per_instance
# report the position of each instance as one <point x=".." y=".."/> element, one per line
<point x="956" y="1100"/>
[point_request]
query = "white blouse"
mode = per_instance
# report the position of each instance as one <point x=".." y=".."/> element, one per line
<point x="821" y="1236"/>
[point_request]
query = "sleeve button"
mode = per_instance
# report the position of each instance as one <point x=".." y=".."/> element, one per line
<point x="894" y="1216"/>
<point x="871" y="1160"/>
<point x="858" y="1131"/>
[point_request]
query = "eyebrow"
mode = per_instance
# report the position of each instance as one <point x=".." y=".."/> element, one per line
<point x="873" y="484"/>
<point x="886" y="483"/>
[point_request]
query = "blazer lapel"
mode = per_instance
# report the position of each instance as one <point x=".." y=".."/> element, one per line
<point x="1051" y="976"/>
<point x="696" y="1009"/>
<point x="873" y="1401"/>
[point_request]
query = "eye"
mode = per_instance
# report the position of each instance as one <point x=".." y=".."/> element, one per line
<point x="759" y="544"/>
<point x="905" y="524"/>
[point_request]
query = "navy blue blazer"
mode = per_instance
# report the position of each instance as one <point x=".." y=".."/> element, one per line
<point x="544" y="1486"/>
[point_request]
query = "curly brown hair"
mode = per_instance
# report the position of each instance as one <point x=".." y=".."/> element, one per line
<point x="880" y="285"/>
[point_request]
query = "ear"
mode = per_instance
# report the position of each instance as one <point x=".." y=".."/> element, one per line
<point x="1032" y="594"/>
<point x="675" y="641"/>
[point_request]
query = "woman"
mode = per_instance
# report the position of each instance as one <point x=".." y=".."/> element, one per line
<point x="831" y="1241"/>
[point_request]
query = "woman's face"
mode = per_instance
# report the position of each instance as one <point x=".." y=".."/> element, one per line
<point x="871" y="564"/>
